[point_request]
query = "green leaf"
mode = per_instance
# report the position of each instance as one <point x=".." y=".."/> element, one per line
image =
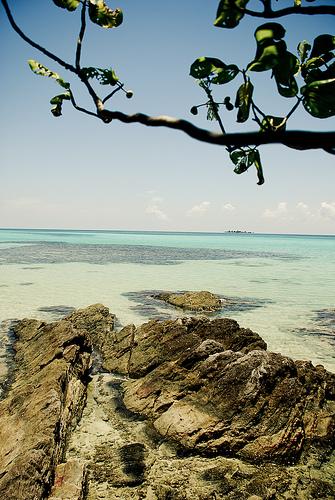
<point x="311" y="70"/>
<point x="323" y="44"/>
<point x="104" y="76"/>
<point x="107" y="77"/>
<point x="211" y="67"/>
<point x="229" y="13"/>
<point x="104" y="16"/>
<point x="243" y="159"/>
<point x="270" y="47"/>
<point x="259" y="168"/>
<point x="273" y="31"/>
<point x="273" y="123"/>
<point x="57" y="101"/>
<point x="226" y="74"/>
<point x="67" y="4"/>
<point x="303" y="48"/>
<point x="319" y="98"/>
<point x="297" y="3"/>
<point x="284" y="72"/>
<point x="202" y="67"/>
<point x="243" y="101"/>
<point x="41" y="70"/>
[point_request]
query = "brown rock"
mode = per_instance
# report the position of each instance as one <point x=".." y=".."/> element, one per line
<point x="98" y="324"/>
<point x="193" y="301"/>
<point x="46" y="399"/>
<point x="138" y="351"/>
<point x="214" y="396"/>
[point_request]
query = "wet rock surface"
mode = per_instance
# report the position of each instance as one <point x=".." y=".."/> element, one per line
<point x="151" y="305"/>
<point x="192" y="301"/>
<point x="190" y="409"/>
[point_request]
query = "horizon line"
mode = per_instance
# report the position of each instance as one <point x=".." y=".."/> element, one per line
<point x="158" y="231"/>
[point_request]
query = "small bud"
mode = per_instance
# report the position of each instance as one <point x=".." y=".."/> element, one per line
<point x="229" y="106"/>
<point x="129" y="94"/>
<point x="194" y="110"/>
<point x="226" y="100"/>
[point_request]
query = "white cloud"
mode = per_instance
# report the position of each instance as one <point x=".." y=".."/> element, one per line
<point x="154" y="208"/>
<point x="304" y="209"/>
<point x="279" y="211"/>
<point x="229" y="207"/>
<point x="200" y="209"/>
<point x="327" y="210"/>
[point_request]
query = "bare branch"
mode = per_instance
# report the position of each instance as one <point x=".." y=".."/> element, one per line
<point x="32" y="43"/>
<point x="79" y="108"/>
<point x="81" y="35"/>
<point x="268" y="13"/>
<point x="97" y="101"/>
<point x="120" y="87"/>
<point x="297" y="139"/>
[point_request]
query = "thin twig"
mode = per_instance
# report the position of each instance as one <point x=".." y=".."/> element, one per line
<point x="34" y="44"/>
<point x="271" y="14"/>
<point x="120" y="87"/>
<point x="97" y="101"/>
<point x="79" y="108"/>
<point x="299" y="99"/>
<point x="81" y="35"/>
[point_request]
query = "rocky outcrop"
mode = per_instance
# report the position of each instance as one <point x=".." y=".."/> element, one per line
<point x="212" y="387"/>
<point x="192" y="301"/>
<point x="137" y="351"/>
<point x="98" y="324"/>
<point x="46" y="399"/>
<point x="192" y="409"/>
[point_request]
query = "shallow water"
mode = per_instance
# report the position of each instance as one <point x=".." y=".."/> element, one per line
<point x="278" y="283"/>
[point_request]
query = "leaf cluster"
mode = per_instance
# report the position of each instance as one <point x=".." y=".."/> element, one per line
<point x="315" y="64"/>
<point x="98" y="11"/>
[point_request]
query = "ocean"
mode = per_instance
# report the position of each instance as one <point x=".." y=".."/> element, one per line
<point x="281" y="286"/>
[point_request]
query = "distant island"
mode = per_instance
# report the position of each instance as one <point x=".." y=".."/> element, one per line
<point x="239" y="232"/>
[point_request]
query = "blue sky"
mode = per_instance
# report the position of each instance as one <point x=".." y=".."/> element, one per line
<point x="75" y="172"/>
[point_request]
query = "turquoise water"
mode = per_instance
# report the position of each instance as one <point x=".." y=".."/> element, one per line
<point x="281" y="286"/>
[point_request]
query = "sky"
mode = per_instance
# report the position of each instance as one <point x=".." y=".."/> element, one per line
<point x="75" y="172"/>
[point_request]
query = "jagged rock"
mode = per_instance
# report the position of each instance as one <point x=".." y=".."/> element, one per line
<point x="97" y="322"/>
<point x="193" y="301"/>
<point x="46" y="399"/>
<point x="203" y="385"/>
<point x="207" y="413"/>
<point x="137" y="351"/>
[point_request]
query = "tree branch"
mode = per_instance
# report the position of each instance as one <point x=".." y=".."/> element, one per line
<point x="120" y="87"/>
<point x="79" y="108"/>
<point x="32" y="43"/>
<point x="297" y="139"/>
<point x="81" y="35"/>
<point x="271" y="14"/>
